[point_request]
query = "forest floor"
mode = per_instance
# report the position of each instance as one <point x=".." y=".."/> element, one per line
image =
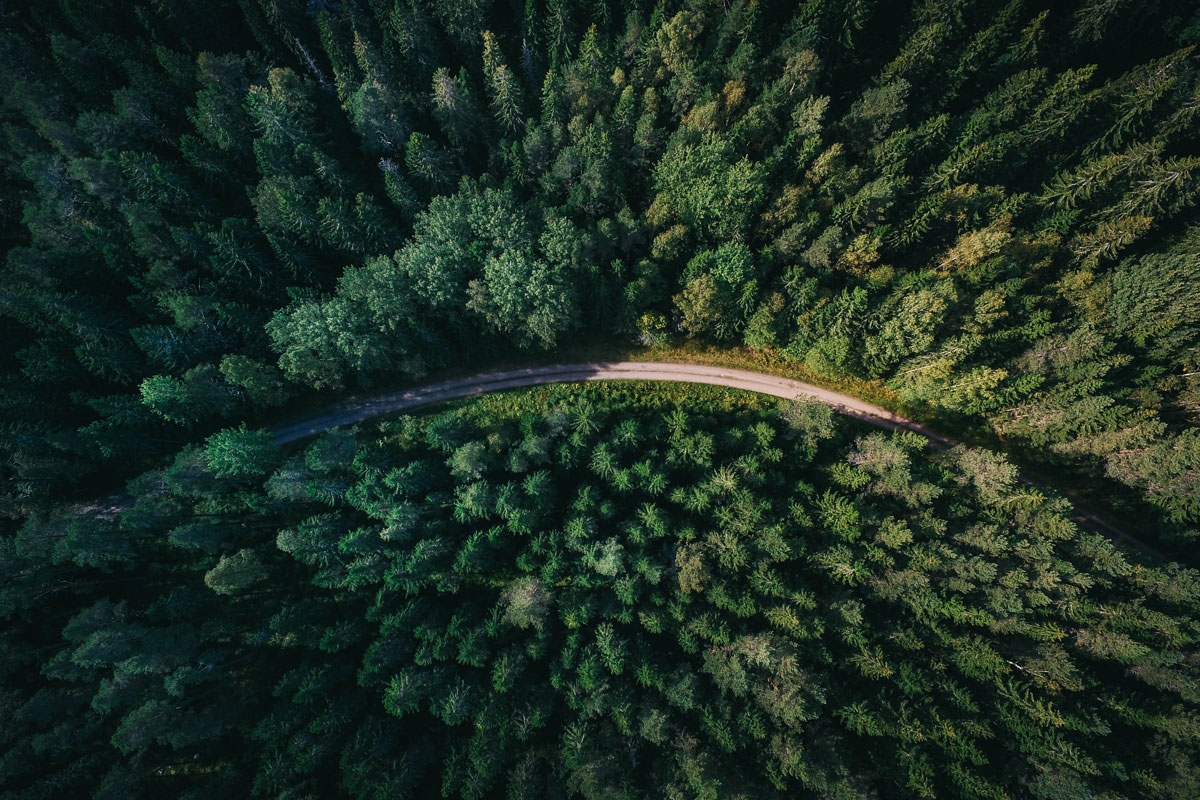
<point x="357" y="409"/>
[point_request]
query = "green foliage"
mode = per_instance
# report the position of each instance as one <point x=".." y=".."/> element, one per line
<point x="719" y="293"/>
<point x="809" y="420"/>
<point x="241" y="453"/>
<point x="210" y="209"/>
<point x="733" y="593"/>
<point x="909" y="195"/>
<point x="703" y="185"/>
<point x="236" y="573"/>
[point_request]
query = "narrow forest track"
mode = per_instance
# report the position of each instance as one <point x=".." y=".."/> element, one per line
<point x="354" y="410"/>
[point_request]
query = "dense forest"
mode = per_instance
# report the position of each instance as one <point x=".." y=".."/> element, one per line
<point x="216" y="214"/>
<point x="599" y="593"/>
<point x="984" y="205"/>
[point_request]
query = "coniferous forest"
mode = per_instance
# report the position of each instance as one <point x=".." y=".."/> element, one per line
<point x="217" y="216"/>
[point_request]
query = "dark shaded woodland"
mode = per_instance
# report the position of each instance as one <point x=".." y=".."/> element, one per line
<point x="213" y="211"/>
<point x="598" y="593"/>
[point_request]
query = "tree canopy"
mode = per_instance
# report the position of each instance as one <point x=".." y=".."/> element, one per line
<point x="601" y="592"/>
<point x="215" y="215"/>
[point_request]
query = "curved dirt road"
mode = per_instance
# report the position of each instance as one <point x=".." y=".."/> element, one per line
<point x="356" y="410"/>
